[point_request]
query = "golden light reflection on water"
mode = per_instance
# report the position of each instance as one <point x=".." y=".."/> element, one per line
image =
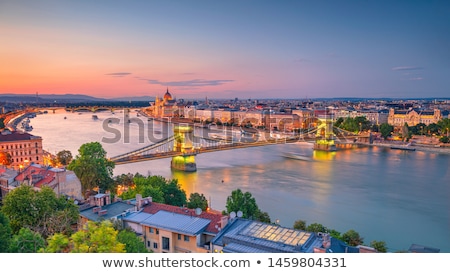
<point x="323" y="155"/>
<point x="187" y="181"/>
<point x="321" y="169"/>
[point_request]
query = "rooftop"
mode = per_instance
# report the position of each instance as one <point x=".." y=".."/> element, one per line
<point x="16" y="136"/>
<point x="111" y="210"/>
<point x="214" y="218"/>
<point x="184" y="224"/>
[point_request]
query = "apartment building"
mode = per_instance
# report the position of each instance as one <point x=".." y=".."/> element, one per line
<point x="23" y="147"/>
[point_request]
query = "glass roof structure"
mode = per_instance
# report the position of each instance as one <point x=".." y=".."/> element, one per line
<point x="276" y="234"/>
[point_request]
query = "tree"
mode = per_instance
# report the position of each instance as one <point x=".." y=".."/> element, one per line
<point x="57" y="243"/>
<point x="93" y="168"/>
<point x="352" y="238"/>
<point x="94" y="238"/>
<point x="334" y="233"/>
<point x="26" y="241"/>
<point x="197" y="200"/>
<point x="339" y="122"/>
<point x="41" y="211"/>
<point x="160" y="189"/>
<point x="405" y="131"/>
<point x="5" y="158"/>
<point x="2" y="123"/>
<point x="125" y="179"/>
<point x="173" y="194"/>
<point x="132" y="243"/>
<point x="300" y="225"/>
<point x="263" y="216"/>
<point x="444" y="126"/>
<point x="386" y="130"/>
<point x="64" y="157"/>
<point x="5" y="233"/>
<point x="245" y="202"/>
<point x="444" y="139"/>
<point x="316" y="227"/>
<point x="380" y="246"/>
<point x="97" y="238"/>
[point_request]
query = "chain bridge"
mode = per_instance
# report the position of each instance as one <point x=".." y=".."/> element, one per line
<point x="183" y="145"/>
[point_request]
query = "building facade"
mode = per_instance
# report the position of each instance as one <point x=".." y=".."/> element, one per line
<point x="23" y="147"/>
<point x="413" y="117"/>
<point x="165" y="107"/>
<point x="62" y="181"/>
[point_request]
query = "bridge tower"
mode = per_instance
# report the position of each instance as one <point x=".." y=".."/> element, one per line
<point x="325" y="136"/>
<point x="183" y="143"/>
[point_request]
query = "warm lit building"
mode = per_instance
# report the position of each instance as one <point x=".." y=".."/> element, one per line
<point x="174" y="229"/>
<point x="413" y="117"/>
<point x="167" y="107"/>
<point x="23" y="147"/>
<point x="163" y="228"/>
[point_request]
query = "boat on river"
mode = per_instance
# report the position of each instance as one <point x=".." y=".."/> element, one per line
<point x="297" y="156"/>
<point x="406" y="147"/>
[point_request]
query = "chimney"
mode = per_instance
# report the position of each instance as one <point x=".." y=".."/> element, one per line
<point x="92" y="200"/>
<point x="102" y="212"/>
<point x="138" y="201"/>
<point x="223" y="221"/>
<point x="96" y="209"/>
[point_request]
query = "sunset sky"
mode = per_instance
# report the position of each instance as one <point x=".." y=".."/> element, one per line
<point x="226" y="49"/>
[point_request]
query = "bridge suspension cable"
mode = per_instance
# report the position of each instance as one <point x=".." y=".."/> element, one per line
<point x="143" y="149"/>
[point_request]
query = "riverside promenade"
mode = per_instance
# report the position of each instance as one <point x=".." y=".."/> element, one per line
<point x="443" y="148"/>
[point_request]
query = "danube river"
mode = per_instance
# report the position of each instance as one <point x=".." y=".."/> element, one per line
<point x="400" y="197"/>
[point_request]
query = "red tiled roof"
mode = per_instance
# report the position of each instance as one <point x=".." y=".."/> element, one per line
<point x="16" y="136"/>
<point x="215" y="217"/>
<point x="45" y="176"/>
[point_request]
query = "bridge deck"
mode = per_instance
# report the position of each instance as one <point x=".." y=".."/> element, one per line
<point x="230" y="146"/>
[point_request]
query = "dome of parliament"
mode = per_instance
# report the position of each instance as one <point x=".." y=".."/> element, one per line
<point x="167" y="95"/>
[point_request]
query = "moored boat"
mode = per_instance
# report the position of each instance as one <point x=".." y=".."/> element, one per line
<point x="403" y="147"/>
<point x="297" y="156"/>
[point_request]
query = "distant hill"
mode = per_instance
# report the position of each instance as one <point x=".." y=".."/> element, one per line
<point x="51" y="98"/>
<point x="138" y="98"/>
<point x="65" y="98"/>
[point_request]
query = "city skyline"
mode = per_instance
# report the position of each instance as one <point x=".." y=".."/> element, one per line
<point x="245" y="49"/>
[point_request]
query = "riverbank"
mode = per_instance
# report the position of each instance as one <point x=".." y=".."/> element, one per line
<point x="418" y="147"/>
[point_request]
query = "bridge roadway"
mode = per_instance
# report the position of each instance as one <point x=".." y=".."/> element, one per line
<point x="222" y="147"/>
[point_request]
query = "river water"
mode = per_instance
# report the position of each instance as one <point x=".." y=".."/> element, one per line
<point x="400" y="197"/>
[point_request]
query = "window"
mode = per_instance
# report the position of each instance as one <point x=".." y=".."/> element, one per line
<point x="186" y="238"/>
<point x="151" y="230"/>
<point x="37" y="158"/>
<point x="179" y="236"/>
<point x="148" y="243"/>
<point x="155" y="245"/>
<point x="165" y="243"/>
<point x="157" y="231"/>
